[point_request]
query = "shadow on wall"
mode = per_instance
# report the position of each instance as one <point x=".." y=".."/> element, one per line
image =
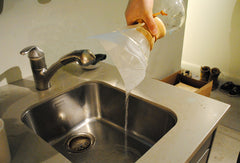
<point x="13" y="94"/>
<point x="11" y="75"/>
<point x="1" y="6"/>
<point x="14" y="77"/>
<point x="234" y="40"/>
<point x="43" y="1"/>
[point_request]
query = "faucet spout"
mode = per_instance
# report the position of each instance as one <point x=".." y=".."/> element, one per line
<point x="42" y="75"/>
<point x="83" y="57"/>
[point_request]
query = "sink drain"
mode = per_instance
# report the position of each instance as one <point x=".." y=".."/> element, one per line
<point x="80" y="142"/>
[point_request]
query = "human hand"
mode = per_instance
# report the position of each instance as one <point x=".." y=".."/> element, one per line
<point x="138" y="10"/>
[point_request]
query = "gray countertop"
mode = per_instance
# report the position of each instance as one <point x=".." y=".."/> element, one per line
<point x="197" y="115"/>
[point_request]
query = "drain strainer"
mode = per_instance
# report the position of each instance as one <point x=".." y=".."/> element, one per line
<point x="79" y="142"/>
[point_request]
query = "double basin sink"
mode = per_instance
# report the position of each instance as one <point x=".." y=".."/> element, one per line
<point x="87" y="124"/>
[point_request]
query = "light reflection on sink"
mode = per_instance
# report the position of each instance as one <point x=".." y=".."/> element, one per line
<point x="86" y="124"/>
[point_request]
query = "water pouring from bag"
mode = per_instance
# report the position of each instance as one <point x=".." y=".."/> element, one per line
<point x="129" y="49"/>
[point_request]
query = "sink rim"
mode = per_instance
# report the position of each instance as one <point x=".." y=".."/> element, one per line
<point x="94" y="84"/>
<point x="171" y="112"/>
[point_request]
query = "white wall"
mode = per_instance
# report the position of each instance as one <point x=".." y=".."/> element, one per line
<point x="57" y="27"/>
<point x="212" y="36"/>
<point x="61" y="26"/>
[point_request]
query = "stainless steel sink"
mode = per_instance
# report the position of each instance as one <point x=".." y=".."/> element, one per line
<point x="86" y="124"/>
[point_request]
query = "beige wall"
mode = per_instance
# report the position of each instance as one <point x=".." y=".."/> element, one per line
<point x="212" y="36"/>
<point x="57" y="27"/>
<point x="61" y="26"/>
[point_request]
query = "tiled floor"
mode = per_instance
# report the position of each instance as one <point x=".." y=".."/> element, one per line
<point x="232" y="118"/>
<point x="226" y="144"/>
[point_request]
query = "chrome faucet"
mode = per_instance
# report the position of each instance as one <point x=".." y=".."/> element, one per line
<point x="42" y="75"/>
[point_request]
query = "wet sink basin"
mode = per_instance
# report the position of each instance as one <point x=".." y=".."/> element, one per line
<point x="87" y="123"/>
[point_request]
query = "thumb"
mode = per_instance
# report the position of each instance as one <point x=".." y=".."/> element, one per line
<point x="151" y="24"/>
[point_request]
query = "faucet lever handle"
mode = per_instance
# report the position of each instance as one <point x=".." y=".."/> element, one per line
<point x="32" y="51"/>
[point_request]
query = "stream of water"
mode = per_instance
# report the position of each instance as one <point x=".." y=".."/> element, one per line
<point x="126" y="121"/>
<point x="129" y="51"/>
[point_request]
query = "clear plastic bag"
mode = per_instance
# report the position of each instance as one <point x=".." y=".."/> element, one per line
<point x="129" y="50"/>
<point x="175" y="13"/>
